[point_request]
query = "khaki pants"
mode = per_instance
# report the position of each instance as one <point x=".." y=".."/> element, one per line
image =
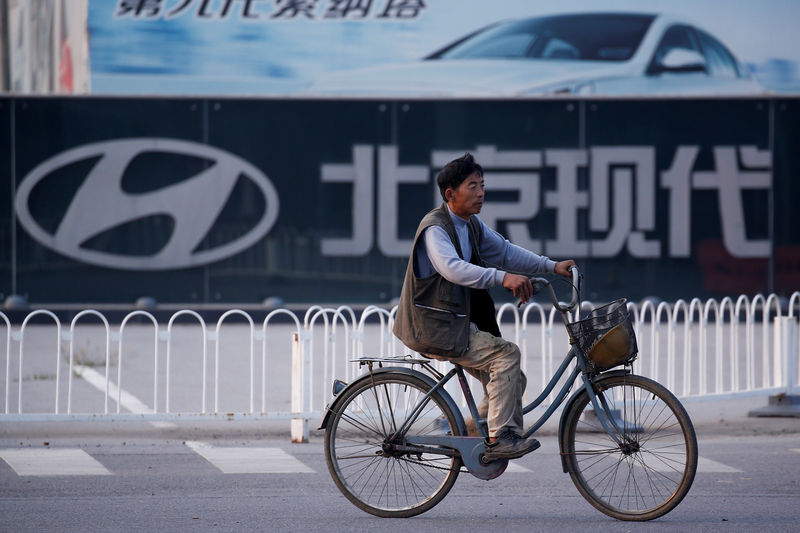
<point x="495" y="362"/>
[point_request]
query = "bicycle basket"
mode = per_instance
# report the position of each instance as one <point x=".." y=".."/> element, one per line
<point x="606" y="337"/>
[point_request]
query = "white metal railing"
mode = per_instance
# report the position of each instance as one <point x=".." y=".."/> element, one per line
<point x="727" y="348"/>
<point x="204" y="360"/>
<point x="121" y="351"/>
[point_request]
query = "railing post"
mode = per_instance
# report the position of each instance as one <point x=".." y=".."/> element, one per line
<point x="8" y="359"/>
<point x="264" y="349"/>
<point x="789" y="347"/>
<point x="155" y="361"/>
<point x="218" y="338"/>
<point x="299" y="425"/>
<point x="204" y="356"/>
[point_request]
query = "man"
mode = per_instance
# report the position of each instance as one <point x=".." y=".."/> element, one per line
<point x="446" y="313"/>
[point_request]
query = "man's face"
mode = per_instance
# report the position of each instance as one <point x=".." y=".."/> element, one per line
<point x="467" y="198"/>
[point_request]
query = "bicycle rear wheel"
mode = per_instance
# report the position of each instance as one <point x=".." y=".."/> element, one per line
<point x="652" y="470"/>
<point x="387" y="483"/>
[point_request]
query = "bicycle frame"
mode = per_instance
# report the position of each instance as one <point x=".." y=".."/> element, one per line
<point x="604" y="413"/>
<point x="471" y="448"/>
<point x="457" y="370"/>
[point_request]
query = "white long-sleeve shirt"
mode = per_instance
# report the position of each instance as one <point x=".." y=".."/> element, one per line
<point x="439" y="255"/>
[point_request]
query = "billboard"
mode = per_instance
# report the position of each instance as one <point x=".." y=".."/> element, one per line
<point x="317" y="200"/>
<point x="470" y="48"/>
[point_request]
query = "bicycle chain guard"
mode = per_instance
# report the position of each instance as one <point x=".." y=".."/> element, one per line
<point x="470" y="449"/>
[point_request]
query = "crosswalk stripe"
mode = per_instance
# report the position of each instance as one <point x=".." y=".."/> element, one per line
<point x="53" y="462"/>
<point x="239" y="460"/>
<point x="708" y="465"/>
<point x="703" y="465"/>
<point x="229" y="460"/>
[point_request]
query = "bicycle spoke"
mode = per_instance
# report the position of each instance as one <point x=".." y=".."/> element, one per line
<point x="656" y="479"/>
<point x="652" y="468"/>
<point x="367" y="470"/>
<point x="359" y="424"/>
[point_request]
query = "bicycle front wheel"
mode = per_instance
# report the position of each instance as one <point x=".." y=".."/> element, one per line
<point x="376" y="479"/>
<point x="652" y="468"/>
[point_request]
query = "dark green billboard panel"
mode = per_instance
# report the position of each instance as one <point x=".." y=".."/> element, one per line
<point x="239" y="200"/>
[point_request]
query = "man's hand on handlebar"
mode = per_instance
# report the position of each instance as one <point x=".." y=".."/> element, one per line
<point x="519" y="285"/>
<point x="563" y="268"/>
<point x="524" y="288"/>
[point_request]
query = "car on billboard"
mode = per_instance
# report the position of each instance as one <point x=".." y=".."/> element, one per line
<point x="585" y="53"/>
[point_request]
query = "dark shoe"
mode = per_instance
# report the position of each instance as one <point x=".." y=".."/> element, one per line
<point x="509" y="445"/>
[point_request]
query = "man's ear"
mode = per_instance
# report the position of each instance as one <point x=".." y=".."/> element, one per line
<point x="448" y="194"/>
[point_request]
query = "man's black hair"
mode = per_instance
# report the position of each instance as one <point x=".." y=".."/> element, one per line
<point x="456" y="171"/>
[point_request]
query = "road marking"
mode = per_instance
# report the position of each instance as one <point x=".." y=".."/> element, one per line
<point x="708" y="465"/>
<point x="126" y="399"/>
<point x="703" y="465"/>
<point x="795" y="450"/>
<point x="164" y="425"/>
<point x="53" y="462"/>
<point x="514" y="467"/>
<point x="98" y="381"/>
<point x="238" y="460"/>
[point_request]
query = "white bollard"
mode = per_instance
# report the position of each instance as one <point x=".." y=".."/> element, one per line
<point x="789" y="347"/>
<point x="299" y="425"/>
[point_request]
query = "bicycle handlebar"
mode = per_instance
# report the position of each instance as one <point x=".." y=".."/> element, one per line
<point x="540" y="283"/>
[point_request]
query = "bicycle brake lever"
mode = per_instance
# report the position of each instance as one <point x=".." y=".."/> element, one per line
<point x="537" y="284"/>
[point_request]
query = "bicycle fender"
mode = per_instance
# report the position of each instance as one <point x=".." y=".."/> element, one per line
<point x="581" y="390"/>
<point x="331" y="408"/>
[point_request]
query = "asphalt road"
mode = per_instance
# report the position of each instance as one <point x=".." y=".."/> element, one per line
<point x="171" y="475"/>
<point x="141" y="478"/>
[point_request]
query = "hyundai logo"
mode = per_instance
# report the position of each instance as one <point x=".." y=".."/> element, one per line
<point x="101" y="204"/>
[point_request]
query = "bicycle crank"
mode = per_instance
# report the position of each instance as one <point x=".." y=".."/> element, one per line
<point x="470" y="448"/>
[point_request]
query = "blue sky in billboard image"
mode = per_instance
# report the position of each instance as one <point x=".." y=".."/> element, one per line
<point x="196" y="47"/>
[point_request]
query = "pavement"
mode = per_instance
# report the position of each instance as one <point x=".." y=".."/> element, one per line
<point x="731" y="417"/>
<point x="711" y="418"/>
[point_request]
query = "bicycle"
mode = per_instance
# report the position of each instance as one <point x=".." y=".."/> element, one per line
<point x="395" y="440"/>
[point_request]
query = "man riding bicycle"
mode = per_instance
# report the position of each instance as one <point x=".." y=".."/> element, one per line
<point x="445" y="309"/>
